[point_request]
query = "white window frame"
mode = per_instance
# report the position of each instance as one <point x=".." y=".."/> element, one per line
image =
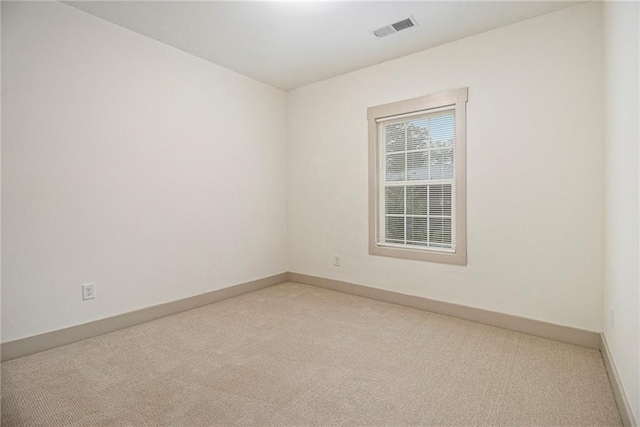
<point x="456" y="99"/>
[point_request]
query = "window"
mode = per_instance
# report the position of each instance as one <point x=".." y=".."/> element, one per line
<point x="417" y="195"/>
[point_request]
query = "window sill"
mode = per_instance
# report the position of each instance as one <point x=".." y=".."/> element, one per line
<point x="419" y="255"/>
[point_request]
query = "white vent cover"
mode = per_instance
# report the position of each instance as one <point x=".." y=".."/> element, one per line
<point x="395" y="27"/>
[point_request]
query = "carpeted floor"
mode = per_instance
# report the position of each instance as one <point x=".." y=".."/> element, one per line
<point x="299" y="355"/>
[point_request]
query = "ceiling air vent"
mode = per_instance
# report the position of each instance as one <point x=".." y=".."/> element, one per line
<point x="395" y="27"/>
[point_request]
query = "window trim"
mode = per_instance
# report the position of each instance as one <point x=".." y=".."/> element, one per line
<point x="457" y="98"/>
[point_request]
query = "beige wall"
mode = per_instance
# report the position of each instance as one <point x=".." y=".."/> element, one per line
<point x="130" y="164"/>
<point x="535" y="170"/>
<point x="622" y="279"/>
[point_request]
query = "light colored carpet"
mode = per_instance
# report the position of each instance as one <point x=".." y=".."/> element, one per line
<point x="300" y="355"/>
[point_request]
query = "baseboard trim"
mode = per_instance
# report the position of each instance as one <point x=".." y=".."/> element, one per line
<point x="624" y="408"/>
<point x="49" y="340"/>
<point x="525" y="325"/>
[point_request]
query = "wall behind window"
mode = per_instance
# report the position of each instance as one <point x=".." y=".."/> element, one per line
<point x="130" y="164"/>
<point x="535" y="170"/>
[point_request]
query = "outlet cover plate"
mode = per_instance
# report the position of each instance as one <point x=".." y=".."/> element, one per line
<point x="88" y="291"/>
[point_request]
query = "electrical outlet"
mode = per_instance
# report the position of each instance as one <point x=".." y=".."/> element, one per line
<point x="612" y="314"/>
<point x="88" y="291"/>
<point x="336" y="260"/>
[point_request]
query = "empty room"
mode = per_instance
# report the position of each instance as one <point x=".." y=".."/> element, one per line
<point x="294" y="213"/>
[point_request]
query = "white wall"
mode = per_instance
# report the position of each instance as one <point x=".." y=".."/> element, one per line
<point x="0" y="196"/>
<point x="158" y="175"/>
<point x="535" y="170"/>
<point x="622" y="279"/>
<point x="130" y="164"/>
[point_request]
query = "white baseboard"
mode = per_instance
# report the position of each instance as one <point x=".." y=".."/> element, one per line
<point x="624" y="408"/>
<point x="37" y="343"/>
<point x="539" y="328"/>
<point x="49" y="340"/>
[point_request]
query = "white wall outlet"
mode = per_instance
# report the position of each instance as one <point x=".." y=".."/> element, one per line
<point x="336" y="260"/>
<point x="612" y="314"/>
<point x="88" y="291"/>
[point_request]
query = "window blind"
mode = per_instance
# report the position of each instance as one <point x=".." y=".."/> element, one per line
<point x="416" y="180"/>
